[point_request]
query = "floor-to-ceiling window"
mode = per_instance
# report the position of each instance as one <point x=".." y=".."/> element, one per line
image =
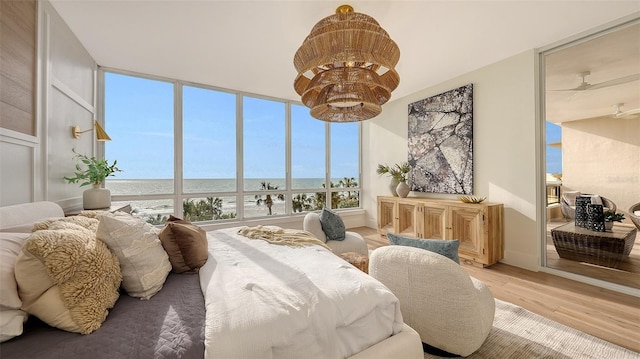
<point x="308" y="160"/>
<point x="209" y="154"/>
<point x="139" y="115"/>
<point x="264" y="156"/>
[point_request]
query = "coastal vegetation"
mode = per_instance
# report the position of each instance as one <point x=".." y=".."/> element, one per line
<point x="210" y="208"/>
<point x="268" y="201"/>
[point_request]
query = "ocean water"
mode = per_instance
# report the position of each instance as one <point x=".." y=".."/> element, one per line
<point x="164" y="186"/>
<point x="164" y="207"/>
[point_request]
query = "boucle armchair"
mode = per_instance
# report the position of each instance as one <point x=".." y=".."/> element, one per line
<point x="353" y="241"/>
<point x="449" y="309"/>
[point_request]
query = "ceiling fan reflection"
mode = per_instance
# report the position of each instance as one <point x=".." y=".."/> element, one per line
<point x="624" y="114"/>
<point x="584" y="85"/>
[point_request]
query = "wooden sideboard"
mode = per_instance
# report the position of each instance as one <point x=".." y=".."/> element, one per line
<point x="479" y="227"/>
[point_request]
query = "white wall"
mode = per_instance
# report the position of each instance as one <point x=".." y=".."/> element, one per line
<point x="32" y="167"/>
<point x="602" y="156"/>
<point x="504" y="149"/>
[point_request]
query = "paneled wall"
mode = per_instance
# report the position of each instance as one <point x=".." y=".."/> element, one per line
<point x="18" y="88"/>
<point x="32" y="165"/>
<point x="17" y="73"/>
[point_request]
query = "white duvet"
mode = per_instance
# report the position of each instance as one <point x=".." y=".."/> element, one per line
<point x="273" y="301"/>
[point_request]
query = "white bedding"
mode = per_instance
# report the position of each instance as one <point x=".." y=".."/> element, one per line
<point x="273" y="301"/>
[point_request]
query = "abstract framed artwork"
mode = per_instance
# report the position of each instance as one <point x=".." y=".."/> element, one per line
<point x="441" y="142"/>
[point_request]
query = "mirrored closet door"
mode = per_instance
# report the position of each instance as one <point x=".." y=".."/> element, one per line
<point x="591" y="115"/>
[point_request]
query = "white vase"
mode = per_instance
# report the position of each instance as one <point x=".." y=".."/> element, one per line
<point x="392" y="187"/>
<point x="403" y="189"/>
<point x="96" y="198"/>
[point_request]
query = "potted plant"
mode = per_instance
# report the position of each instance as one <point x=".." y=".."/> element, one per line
<point x="398" y="173"/>
<point x="610" y="217"/>
<point x="93" y="171"/>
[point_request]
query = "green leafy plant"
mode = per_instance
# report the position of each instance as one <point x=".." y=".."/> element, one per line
<point x="397" y="171"/>
<point x="90" y="170"/>
<point x="612" y="216"/>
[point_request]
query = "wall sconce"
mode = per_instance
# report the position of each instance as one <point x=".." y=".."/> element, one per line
<point x="101" y="134"/>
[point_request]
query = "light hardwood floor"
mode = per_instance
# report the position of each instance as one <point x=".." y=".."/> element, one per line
<point x="600" y="312"/>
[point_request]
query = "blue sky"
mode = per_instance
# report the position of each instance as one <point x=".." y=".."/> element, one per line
<point x="554" y="155"/>
<point x="139" y="119"/>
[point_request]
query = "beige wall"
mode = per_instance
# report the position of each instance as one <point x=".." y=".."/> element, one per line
<point x="602" y="156"/>
<point x="504" y="149"/>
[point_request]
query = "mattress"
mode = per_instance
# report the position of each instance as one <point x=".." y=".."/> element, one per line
<point x="169" y="325"/>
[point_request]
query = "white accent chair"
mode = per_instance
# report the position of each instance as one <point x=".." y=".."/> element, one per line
<point x="353" y="241"/>
<point x="449" y="309"/>
<point x="568" y="203"/>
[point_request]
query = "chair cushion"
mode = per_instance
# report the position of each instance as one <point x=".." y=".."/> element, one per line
<point x="332" y="225"/>
<point x="448" y="248"/>
<point x="570" y="197"/>
<point x="595" y="199"/>
<point x="353" y="242"/>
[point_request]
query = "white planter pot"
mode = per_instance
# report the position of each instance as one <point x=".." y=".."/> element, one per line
<point x="96" y="198"/>
<point x="608" y="225"/>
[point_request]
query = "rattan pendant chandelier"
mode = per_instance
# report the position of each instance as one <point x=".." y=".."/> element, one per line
<point x="346" y="67"/>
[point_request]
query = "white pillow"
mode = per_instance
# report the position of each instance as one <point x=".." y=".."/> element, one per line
<point x="21" y="228"/>
<point x="11" y="317"/>
<point x="570" y="197"/>
<point x="10" y="246"/>
<point x="11" y="321"/>
<point x="144" y="263"/>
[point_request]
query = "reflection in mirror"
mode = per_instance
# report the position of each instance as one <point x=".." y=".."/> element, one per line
<point x="592" y="124"/>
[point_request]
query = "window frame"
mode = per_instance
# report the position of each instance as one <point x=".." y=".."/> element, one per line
<point x="178" y="196"/>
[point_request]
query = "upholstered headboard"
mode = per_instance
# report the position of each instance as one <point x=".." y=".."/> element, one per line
<point x="26" y="213"/>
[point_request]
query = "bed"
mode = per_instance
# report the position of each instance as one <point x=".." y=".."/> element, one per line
<point x="251" y="299"/>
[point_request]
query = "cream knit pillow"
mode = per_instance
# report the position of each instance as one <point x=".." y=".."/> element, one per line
<point x="144" y="263"/>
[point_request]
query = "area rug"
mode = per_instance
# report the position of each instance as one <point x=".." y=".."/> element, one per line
<point x="519" y="333"/>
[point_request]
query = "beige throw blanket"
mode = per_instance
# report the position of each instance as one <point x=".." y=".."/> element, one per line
<point x="282" y="236"/>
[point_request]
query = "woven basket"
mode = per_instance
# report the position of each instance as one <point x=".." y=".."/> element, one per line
<point x="357" y="260"/>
